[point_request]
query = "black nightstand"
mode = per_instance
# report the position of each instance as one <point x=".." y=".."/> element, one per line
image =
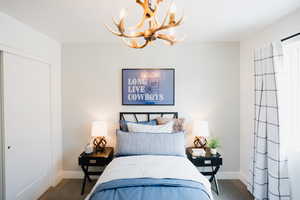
<point x="99" y="159"/>
<point x="209" y="160"/>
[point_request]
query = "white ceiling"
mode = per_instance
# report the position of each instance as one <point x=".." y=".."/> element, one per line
<point x="81" y="21"/>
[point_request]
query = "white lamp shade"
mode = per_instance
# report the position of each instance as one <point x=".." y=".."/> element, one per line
<point x="201" y="128"/>
<point x="99" y="128"/>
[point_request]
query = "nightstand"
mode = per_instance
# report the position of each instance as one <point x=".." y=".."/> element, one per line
<point x="209" y="160"/>
<point x="99" y="159"/>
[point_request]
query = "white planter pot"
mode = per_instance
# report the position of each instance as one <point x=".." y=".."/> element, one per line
<point x="213" y="151"/>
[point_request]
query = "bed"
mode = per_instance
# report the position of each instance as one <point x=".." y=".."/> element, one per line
<point x="150" y="166"/>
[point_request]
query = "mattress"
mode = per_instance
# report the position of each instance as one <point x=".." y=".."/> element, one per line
<point x="148" y="177"/>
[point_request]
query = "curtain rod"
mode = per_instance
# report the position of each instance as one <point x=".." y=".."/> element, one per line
<point x="290" y="37"/>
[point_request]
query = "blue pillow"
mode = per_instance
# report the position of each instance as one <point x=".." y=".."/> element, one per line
<point x="171" y="144"/>
<point x="124" y="127"/>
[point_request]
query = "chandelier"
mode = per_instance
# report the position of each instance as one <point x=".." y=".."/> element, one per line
<point x="148" y="29"/>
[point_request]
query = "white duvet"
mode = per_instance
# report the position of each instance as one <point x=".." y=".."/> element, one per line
<point x="149" y="166"/>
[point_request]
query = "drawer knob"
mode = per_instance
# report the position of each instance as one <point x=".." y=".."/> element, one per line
<point x="207" y="162"/>
<point x="93" y="161"/>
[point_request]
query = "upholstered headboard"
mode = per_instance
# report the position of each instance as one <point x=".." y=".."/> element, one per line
<point x="146" y="116"/>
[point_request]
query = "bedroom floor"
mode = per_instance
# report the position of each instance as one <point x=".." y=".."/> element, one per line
<point x="69" y="189"/>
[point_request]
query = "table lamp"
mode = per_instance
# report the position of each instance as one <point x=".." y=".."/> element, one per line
<point x="201" y="132"/>
<point x="99" y="131"/>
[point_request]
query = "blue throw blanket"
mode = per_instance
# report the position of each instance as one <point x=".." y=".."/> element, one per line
<point x="150" y="189"/>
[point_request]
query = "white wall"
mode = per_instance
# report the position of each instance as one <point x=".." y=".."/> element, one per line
<point x="22" y="39"/>
<point x="283" y="28"/>
<point x="207" y="87"/>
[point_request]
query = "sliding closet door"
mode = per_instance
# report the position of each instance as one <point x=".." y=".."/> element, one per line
<point x="26" y="105"/>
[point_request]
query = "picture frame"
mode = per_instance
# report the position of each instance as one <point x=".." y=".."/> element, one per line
<point x="148" y="86"/>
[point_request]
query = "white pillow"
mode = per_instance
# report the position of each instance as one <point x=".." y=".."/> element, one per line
<point x="142" y="128"/>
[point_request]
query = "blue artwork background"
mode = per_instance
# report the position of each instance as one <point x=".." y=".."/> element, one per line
<point x="148" y="86"/>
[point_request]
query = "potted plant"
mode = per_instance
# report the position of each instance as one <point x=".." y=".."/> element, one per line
<point x="213" y="144"/>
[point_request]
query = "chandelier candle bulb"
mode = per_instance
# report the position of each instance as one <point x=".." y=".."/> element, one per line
<point x="123" y="13"/>
<point x="172" y="13"/>
<point x="173" y="8"/>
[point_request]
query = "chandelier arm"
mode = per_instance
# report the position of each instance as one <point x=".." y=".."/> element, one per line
<point x="164" y="27"/>
<point x="140" y="3"/>
<point x="130" y="35"/>
<point x="136" y="35"/>
<point x="127" y="43"/>
<point x="144" y="45"/>
<point x="155" y="21"/>
<point x="121" y="27"/>
<point x="167" y="38"/>
<point x="171" y="39"/>
<point x="136" y="46"/>
<point x="145" y="6"/>
<point x="113" y="32"/>
<point x="155" y="11"/>
<point x="166" y="17"/>
<point x="167" y="14"/>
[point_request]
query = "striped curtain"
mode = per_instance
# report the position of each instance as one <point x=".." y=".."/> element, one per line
<point x="269" y="170"/>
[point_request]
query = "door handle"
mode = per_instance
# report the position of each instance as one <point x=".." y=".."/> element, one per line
<point x="8" y="147"/>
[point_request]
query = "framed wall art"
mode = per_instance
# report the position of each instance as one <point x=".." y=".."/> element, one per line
<point x="148" y="86"/>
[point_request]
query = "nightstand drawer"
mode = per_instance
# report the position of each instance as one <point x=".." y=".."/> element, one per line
<point x="94" y="161"/>
<point x="201" y="162"/>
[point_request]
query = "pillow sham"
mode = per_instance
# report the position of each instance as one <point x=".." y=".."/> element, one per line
<point x="142" y="128"/>
<point x="129" y="144"/>
<point x="124" y="127"/>
<point x="178" y="123"/>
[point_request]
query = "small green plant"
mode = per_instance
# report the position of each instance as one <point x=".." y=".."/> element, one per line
<point x="214" y="143"/>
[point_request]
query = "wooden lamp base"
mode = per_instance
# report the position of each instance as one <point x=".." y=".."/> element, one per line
<point x="200" y="142"/>
<point x="99" y="144"/>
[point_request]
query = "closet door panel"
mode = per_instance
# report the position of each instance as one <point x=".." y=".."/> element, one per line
<point x="26" y="126"/>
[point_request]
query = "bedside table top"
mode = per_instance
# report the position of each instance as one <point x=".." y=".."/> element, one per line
<point x="207" y="155"/>
<point x="108" y="152"/>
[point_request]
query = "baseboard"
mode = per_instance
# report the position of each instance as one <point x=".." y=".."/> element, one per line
<point x="77" y="174"/>
<point x="243" y="178"/>
<point x="58" y="178"/>
<point x="228" y="175"/>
